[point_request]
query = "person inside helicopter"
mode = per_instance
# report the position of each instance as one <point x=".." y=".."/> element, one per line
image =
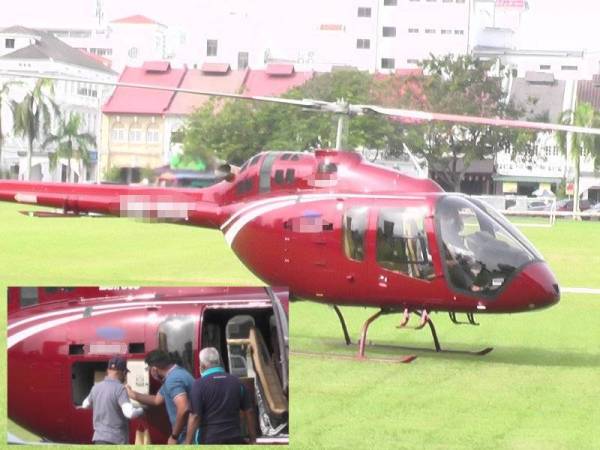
<point x="480" y="250"/>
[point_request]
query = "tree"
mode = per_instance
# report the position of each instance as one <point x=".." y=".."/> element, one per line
<point x="4" y="91"/>
<point x="33" y="115"/>
<point x="458" y="85"/>
<point x="235" y="130"/>
<point x="582" y="145"/>
<point x="70" y="143"/>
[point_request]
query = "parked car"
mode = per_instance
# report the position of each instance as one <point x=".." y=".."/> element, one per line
<point x="595" y="211"/>
<point x="567" y="205"/>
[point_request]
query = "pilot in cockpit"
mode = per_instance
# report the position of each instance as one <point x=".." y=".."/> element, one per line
<point x="465" y="272"/>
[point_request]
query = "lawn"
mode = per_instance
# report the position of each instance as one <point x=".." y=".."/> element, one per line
<point x="538" y="389"/>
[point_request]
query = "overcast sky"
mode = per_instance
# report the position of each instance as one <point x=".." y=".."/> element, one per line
<point x="548" y="24"/>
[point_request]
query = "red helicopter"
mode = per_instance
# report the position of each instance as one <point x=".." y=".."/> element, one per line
<point x="344" y="231"/>
<point x="60" y="340"/>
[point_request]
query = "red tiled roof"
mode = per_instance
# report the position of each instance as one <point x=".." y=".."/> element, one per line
<point x="280" y="69"/>
<point x="215" y="67"/>
<point x="126" y="100"/>
<point x="156" y="66"/>
<point x="198" y="79"/>
<point x="136" y="19"/>
<point x="261" y="83"/>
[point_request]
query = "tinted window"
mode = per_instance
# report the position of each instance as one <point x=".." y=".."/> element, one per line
<point x="327" y="168"/>
<point x="254" y="159"/>
<point x="480" y="250"/>
<point x="295" y="157"/>
<point x="285" y="156"/>
<point x="279" y="176"/>
<point x="354" y="227"/>
<point x="289" y="176"/>
<point x="175" y="336"/>
<point x="402" y="242"/>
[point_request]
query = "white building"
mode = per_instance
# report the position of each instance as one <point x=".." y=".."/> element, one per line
<point x="34" y="51"/>
<point x="374" y="35"/>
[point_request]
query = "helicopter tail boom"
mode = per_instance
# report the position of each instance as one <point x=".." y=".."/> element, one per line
<point x="140" y="202"/>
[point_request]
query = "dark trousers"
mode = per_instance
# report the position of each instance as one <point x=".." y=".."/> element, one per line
<point x="103" y="443"/>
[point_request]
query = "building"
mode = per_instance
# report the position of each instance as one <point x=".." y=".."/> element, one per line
<point x="543" y="98"/>
<point x="133" y="125"/>
<point x="35" y="51"/>
<point x="274" y="80"/>
<point x="211" y="77"/>
<point x="373" y="35"/>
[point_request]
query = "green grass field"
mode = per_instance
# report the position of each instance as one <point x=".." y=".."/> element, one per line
<point x="538" y="389"/>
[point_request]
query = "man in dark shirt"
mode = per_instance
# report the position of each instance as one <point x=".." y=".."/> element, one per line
<point x="217" y="399"/>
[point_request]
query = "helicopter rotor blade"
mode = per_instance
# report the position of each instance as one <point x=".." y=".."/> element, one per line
<point x="416" y="117"/>
<point x="339" y="107"/>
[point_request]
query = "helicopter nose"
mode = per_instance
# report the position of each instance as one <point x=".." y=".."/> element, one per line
<point x="536" y="287"/>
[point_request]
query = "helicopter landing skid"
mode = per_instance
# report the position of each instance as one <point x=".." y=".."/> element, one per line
<point x="403" y="359"/>
<point x="425" y="319"/>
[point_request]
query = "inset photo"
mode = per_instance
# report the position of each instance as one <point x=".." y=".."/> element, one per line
<point x="148" y="365"/>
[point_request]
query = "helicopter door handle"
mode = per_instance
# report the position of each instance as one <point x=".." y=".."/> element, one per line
<point x="383" y="281"/>
<point x="350" y="277"/>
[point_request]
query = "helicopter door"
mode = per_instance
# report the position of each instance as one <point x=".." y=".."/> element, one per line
<point x="402" y="249"/>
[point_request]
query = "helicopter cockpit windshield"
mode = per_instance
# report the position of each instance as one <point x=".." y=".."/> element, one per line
<point x="479" y="250"/>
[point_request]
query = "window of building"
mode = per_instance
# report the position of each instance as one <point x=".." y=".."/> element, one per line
<point x="544" y="66"/>
<point x="446" y="31"/>
<point x="9" y="43"/>
<point x="354" y="226"/>
<point x="363" y="43"/>
<point x="447" y="1"/>
<point x="242" y="60"/>
<point x="176" y="337"/>
<point x="388" y="63"/>
<point x="389" y="31"/>
<point x="364" y="12"/>
<point x="412" y="61"/>
<point x="429" y="31"/>
<point x="402" y="242"/>
<point x="390" y="2"/>
<point x="568" y="67"/>
<point x="459" y="31"/>
<point x="413" y="30"/>
<point x="460" y="1"/>
<point x="133" y="52"/>
<point x="211" y="47"/>
<point x="152" y="135"/>
<point x="135" y="135"/>
<point x="118" y="134"/>
<point x="431" y="1"/>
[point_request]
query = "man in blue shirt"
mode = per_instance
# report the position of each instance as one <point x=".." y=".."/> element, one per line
<point x="174" y="392"/>
<point x="216" y="402"/>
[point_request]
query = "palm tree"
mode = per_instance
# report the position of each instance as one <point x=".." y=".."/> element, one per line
<point x="70" y="143"/>
<point x="33" y="115"/>
<point x="4" y="90"/>
<point x="582" y="145"/>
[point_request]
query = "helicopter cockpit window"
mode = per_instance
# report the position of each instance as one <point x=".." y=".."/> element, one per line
<point x="480" y="253"/>
<point x="285" y="156"/>
<point x="354" y="227"/>
<point x="289" y="176"/>
<point x="279" y="176"/>
<point x="402" y="242"/>
<point x="176" y="336"/>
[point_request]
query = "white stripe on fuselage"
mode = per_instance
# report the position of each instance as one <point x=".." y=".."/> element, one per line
<point x="250" y="212"/>
<point x="145" y="304"/>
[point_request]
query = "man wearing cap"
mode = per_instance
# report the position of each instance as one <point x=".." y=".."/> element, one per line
<point x="111" y="405"/>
